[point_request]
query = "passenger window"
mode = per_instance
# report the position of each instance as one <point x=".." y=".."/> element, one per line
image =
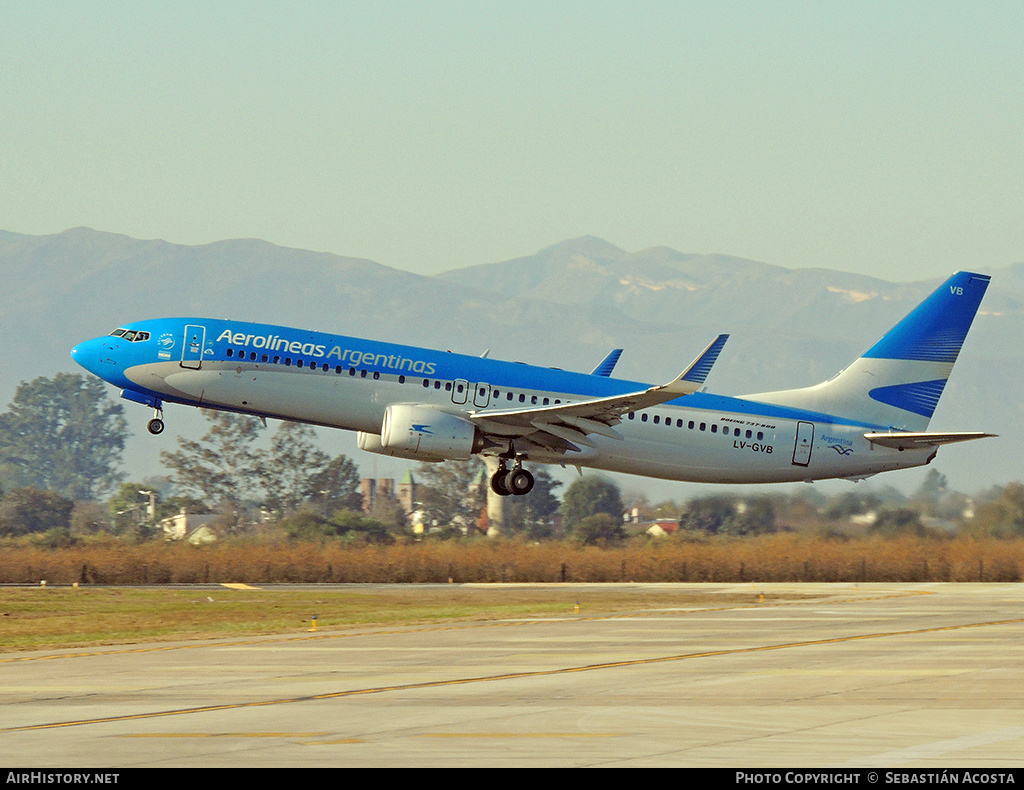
<point x="703" y="426"/>
<point x="657" y="419"/>
<point x="690" y="425"/>
<point x="760" y="436"/>
<point x="298" y="363"/>
<point x="643" y="418"/>
<point x="401" y="379"/>
<point x="231" y="352"/>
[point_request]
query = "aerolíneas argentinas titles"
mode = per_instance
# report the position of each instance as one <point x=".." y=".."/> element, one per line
<point x="430" y="405"/>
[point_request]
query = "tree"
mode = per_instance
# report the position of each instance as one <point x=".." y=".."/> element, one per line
<point x="898" y="521"/>
<point x="222" y="466"/>
<point x="452" y="491"/>
<point x="723" y="514"/>
<point x="336" y="487"/>
<point x="598" y="529"/>
<point x="532" y="514"/>
<point x="290" y="469"/>
<point x="587" y="497"/>
<point x="708" y="513"/>
<point x="29" y="510"/>
<point x="1002" y="516"/>
<point x="62" y="434"/>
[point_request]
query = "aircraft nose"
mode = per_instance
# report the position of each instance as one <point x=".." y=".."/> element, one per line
<point x="93" y="355"/>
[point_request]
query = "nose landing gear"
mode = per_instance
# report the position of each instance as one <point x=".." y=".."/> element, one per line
<point x="515" y="481"/>
<point x="156" y="425"/>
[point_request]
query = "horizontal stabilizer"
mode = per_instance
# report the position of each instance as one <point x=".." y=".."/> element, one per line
<point x="910" y="441"/>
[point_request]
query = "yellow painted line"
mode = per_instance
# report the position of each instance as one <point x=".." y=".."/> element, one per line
<point x="510" y="676"/>
<point x="237" y="586"/>
<point x="334" y="742"/>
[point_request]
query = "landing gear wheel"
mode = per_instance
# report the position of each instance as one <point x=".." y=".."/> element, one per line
<point x="156" y="426"/>
<point x="519" y="482"/>
<point x="499" y="482"/>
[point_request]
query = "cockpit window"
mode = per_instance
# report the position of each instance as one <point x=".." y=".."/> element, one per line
<point x="130" y="335"/>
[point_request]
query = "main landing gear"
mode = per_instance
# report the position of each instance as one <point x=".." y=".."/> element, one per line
<point x="511" y="482"/>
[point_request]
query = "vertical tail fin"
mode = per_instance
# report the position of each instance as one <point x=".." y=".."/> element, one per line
<point x="897" y="382"/>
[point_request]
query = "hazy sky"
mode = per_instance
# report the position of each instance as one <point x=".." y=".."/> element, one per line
<point x="883" y="138"/>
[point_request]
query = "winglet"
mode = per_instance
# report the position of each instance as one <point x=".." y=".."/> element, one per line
<point x="698" y="371"/>
<point x="691" y="379"/>
<point x="608" y="365"/>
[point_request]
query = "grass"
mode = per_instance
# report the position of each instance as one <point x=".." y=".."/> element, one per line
<point x="38" y="618"/>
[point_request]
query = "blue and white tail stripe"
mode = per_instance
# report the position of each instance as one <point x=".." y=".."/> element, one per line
<point x="897" y="383"/>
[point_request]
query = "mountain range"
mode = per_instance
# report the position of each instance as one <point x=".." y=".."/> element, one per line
<point x="565" y="306"/>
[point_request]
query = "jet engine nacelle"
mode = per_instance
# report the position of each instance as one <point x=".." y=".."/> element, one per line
<point x="371" y="443"/>
<point x="412" y="431"/>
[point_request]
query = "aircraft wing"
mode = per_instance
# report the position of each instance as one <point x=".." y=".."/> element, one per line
<point x="910" y="441"/>
<point x="565" y="426"/>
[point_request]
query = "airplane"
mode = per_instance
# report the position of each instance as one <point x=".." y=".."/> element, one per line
<point x="426" y="405"/>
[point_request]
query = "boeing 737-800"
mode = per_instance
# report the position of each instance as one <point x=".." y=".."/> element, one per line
<point x="428" y="405"/>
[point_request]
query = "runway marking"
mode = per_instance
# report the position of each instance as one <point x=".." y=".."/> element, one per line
<point x="213" y="643"/>
<point x="507" y="676"/>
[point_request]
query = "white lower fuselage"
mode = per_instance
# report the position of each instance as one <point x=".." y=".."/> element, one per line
<point x="699" y="438"/>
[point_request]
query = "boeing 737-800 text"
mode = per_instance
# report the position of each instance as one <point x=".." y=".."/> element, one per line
<point x="430" y="405"/>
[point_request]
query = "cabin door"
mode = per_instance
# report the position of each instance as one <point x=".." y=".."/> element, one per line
<point x="195" y="341"/>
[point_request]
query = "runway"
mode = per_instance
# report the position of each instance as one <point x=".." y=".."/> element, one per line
<point x="877" y="675"/>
